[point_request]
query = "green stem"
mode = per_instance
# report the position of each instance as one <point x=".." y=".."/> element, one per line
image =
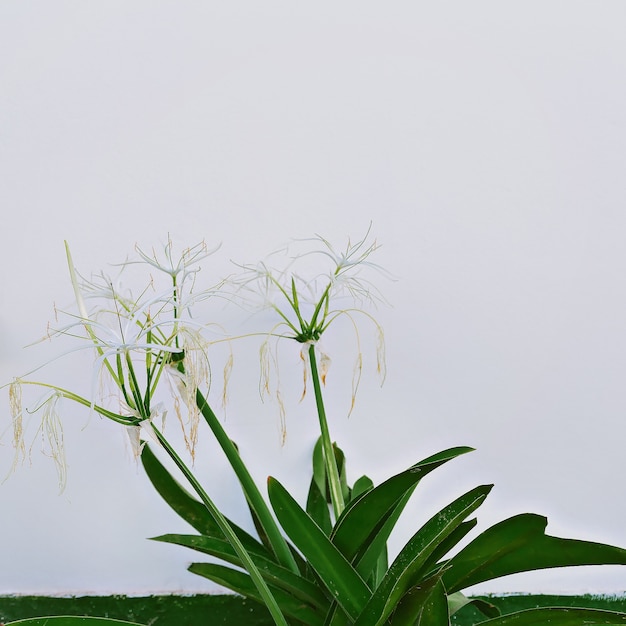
<point x="225" y="527"/>
<point x="134" y="387"/>
<point x="251" y="491"/>
<point x="336" y="493"/>
<point x="65" y="393"/>
<point x="82" y="309"/>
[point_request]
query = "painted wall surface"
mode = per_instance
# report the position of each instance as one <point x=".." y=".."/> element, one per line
<point x="485" y="142"/>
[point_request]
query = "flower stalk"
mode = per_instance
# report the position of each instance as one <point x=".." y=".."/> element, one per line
<point x="330" y="461"/>
<point x="253" y="495"/>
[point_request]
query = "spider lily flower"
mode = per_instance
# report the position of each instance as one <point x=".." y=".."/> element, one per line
<point x="173" y="300"/>
<point x="137" y="338"/>
<point x="182" y="266"/>
<point x="307" y="305"/>
<point x="181" y="271"/>
<point x="347" y="268"/>
<point x="156" y="331"/>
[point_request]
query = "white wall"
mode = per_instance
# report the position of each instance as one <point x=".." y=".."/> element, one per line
<point x="485" y="141"/>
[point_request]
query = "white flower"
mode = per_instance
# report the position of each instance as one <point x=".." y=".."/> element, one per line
<point x="176" y="266"/>
<point x="134" y="432"/>
<point x="307" y="301"/>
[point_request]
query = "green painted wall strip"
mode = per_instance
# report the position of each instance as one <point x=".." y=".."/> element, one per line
<point x="229" y="610"/>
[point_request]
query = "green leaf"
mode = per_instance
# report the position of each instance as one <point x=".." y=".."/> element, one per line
<point x="317" y="507"/>
<point x="380" y="568"/>
<point x="71" y="620"/>
<point x="361" y="486"/>
<point x="339" y="577"/>
<point x="423" y="605"/>
<point x="363" y="523"/>
<point x="336" y="617"/>
<point x="558" y="616"/>
<point x="320" y="474"/>
<point x="340" y="460"/>
<point x="241" y="583"/>
<point x="190" y="509"/>
<point x="454" y="539"/>
<point x="272" y="573"/>
<point x="371" y="561"/>
<point x="456" y="601"/>
<point x="258" y="526"/>
<point x="519" y="544"/>
<point x="319" y="469"/>
<point x="408" y="568"/>
<point x="179" y="499"/>
<point x="318" y="498"/>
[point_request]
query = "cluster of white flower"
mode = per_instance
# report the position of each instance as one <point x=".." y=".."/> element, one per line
<point x="139" y="336"/>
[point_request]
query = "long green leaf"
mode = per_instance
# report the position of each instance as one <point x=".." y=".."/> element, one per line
<point x="343" y="582"/>
<point x="319" y="470"/>
<point x="457" y="600"/>
<point x="336" y="617"/>
<point x="361" y="486"/>
<point x="369" y="561"/>
<point x="434" y="563"/>
<point x="452" y="541"/>
<point x="558" y="617"/>
<point x="241" y="583"/>
<point x="365" y="518"/>
<point x="272" y="572"/>
<point x="179" y="499"/>
<point x="373" y="573"/>
<point x="423" y="605"/>
<point x="317" y="507"/>
<point x="519" y="544"/>
<point x="187" y="507"/>
<point x="408" y="568"/>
